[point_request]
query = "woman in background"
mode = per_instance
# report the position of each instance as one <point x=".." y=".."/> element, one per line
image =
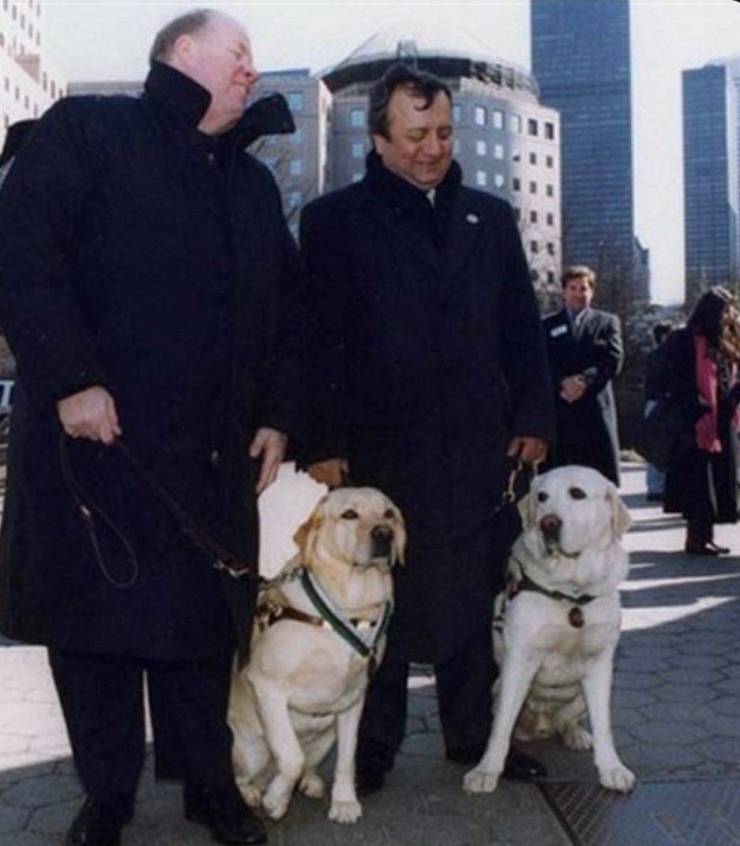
<point x="702" y="363"/>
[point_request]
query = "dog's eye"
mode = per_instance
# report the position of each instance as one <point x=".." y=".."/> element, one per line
<point x="389" y="515"/>
<point x="350" y="514"/>
<point x="577" y="493"/>
<point x="541" y="497"/>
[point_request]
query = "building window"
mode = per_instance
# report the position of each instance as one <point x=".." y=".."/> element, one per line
<point x="532" y="187"/>
<point x="358" y="150"/>
<point x="551" y="219"/>
<point x="533" y="158"/>
<point x="517" y="214"/>
<point x="480" y="116"/>
<point x="293" y="200"/>
<point x="480" y="148"/>
<point x="456" y="113"/>
<point x="295" y="101"/>
<point x="550" y="277"/>
<point x="549" y="161"/>
<point x="532" y="127"/>
<point x="357" y="176"/>
<point x="516" y="156"/>
<point x="534" y="246"/>
<point x="357" y="117"/>
<point x="17" y="93"/>
<point x="533" y="216"/>
<point x="7" y="84"/>
<point x="455" y="146"/>
<point x="516" y="184"/>
<point x="481" y="178"/>
<point x="498" y="151"/>
<point x="549" y="131"/>
<point x="498" y="180"/>
<point x="295" y="168"/>
<point x="550" y="248"/>
<point x="296" y="137"/>
<point x="550" y="191"/>
<point x="497" y="119"/>
<point x="515" y="123"/>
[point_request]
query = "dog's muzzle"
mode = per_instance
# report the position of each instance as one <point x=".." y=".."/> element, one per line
<point x="381" y="538"/>
<point x="550" y="527"/>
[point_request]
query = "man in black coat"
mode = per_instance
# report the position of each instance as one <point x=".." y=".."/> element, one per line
<point x="584" y="348"/>
<point x="432" y="372"/>
<point x="146" y="282"/>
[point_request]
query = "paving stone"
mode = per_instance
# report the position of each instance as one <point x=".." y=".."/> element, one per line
<point x="623" y="698"/>
<point x="703" y="662"/>
<point x="722" y="749"/>
<point x="727" y="705"/>
<point x="12" y="819"/>
<point x="679" y="711"/>
<point x="693" y="693"/>
<point x="635" y="681"/>
<point x="667" y="731"/>
<point x="693" y="675"/>
<point x="41" y="790"/>
<point x="731" y="685"/>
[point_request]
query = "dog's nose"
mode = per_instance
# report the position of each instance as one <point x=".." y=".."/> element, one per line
<point x="382" y="537"/>
<point x="550" y="525"/>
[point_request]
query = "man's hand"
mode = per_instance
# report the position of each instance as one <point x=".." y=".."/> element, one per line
<point x="270" y="444"/>
<point x="529" y="450"/>
<point x="572" y="388"/>
<point x="90" y="414"/>
<point x="329" y="472"/>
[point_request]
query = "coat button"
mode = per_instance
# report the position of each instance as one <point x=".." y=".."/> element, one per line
<point x="215" y="458"/>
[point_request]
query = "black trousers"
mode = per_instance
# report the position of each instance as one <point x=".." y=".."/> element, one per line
<point x="464" y="684"/>
<point x="102" y="698"/>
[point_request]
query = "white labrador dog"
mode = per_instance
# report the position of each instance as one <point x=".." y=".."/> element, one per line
<point x="557" y="626"/>
<point x="320" y="628"/>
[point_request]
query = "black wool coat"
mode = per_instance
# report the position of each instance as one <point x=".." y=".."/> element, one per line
<point x="139" y="254"/>
<point x="432" y="360"/>
<point x="586" y="429"/>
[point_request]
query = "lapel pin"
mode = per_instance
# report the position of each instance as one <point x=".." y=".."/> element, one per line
<point x="472" y="218"/>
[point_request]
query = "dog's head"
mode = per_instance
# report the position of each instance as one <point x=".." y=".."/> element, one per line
<point x="571" y="509"/>
<point x="358" y="526"/>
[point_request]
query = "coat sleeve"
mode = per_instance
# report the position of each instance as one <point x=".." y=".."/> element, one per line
<point x="523" y="358"/>
<point x="326" y="256"/>
<point x="42" y="204"/>
<point x="608" y="358"/>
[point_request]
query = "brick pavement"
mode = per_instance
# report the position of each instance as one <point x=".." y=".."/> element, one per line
<point x="676" y="716"/>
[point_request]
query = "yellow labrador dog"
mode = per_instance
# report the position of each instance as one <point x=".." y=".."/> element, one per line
<point x="320" y="629"/>
<point x="557" y="626"/>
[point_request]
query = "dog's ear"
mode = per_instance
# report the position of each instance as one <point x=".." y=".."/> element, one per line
<point x="398" y="552"/>
<point x="306" y="534"/>
<point x="621" y="520"/>
<point x="526" y="506"/>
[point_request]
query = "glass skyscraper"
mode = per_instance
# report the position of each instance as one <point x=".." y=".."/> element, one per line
<point x="581" y="60"/>
<point x="710" y="176"/>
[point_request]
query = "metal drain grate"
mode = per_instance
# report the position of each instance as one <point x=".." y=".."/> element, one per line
<point x="666" y="813"/>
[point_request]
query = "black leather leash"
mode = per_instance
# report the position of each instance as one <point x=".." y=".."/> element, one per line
<point x="223" y="560"/>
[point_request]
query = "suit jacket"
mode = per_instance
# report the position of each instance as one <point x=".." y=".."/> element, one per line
<point x="586" y="429"/>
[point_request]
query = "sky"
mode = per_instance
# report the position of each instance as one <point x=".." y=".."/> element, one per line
<point x="109" y="39"/>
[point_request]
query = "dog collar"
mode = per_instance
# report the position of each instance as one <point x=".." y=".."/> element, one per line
<point x="525" y="582"/>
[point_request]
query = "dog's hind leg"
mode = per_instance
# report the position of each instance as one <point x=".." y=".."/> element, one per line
<point x="567" y="725"/>
<point x="311" y="783"/>
<point x="597" y="690"/>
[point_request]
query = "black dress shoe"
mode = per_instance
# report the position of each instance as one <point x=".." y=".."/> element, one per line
<point x="707" y="548"/>
<point x="369" y="778"/>
<point x="94" y="827"/>
<point x="468" y="755"/>
<point x="521" y="767"/>
<point x="230" y="820"/>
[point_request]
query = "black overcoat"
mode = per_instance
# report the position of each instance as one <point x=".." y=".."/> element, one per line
<point x="432" y="360"/>
<point x="694" y="474"/>
<point x="139" y="254"/>
<point x="586" y="429"/>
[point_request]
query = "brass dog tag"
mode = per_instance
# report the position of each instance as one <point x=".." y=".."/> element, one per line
<point x="575" y="618"/>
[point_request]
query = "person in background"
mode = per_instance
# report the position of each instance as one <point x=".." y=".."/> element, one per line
<point x="584" y="349"/>
<point x="148" y="286"/>
<point x="431" y="381"/>
<point x="702" y="378"/>
<point x="655" y="387"/>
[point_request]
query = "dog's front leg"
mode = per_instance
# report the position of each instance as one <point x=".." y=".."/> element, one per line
<point x="281" y="738"/>
<point x="344" y="805"/>
<point x="520" y="666"/>
<point x="597" y="690"/>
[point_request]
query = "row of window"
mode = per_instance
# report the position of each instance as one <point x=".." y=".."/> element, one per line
<point x="26" y="24"/>
<point x="496" y="118"/>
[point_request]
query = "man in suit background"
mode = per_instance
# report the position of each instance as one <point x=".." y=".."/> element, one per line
<point x="584" y="348"/>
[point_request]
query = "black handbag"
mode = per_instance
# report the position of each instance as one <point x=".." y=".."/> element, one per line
<point x="663" y="433"/>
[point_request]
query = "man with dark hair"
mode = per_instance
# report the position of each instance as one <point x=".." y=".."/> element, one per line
<point x="584" y="348"/>
<point x="432" y="373"/>
<point x="145" y="271"/>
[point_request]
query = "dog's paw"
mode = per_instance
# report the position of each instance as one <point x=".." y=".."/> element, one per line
<point x="345" y="812"/>
<point x="312" y="785"/>
<point x="275" y="802"/>
<point x="576" y="737"/>
<point x="251" y="792"/>
<point x="480" y="781"/>
<point x="617" y="777"/>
